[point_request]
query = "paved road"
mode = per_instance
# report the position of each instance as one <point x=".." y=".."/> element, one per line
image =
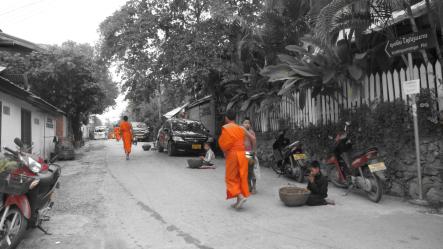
<point x="153" y="201"/>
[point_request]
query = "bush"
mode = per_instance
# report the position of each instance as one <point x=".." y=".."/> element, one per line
<point x="387" y="125"/>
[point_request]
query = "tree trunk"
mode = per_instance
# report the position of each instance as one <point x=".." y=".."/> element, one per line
<point x="76" y="129"/>
<point x="414" y="27"/>
<point x="431" y="16"/>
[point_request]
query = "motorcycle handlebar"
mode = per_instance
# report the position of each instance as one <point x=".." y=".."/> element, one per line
<point x="11" y="151"/>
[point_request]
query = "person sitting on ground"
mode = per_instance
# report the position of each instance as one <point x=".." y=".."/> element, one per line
<point x="318" y="185"/>
<point x="205" y="162"/>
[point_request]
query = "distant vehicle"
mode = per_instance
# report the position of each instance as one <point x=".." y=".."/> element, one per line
<point x="100" y="132"/>
<point x="183" y="135"/>
<point x="140" y="131"/>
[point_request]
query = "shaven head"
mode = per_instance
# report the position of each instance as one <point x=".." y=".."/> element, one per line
<point x="230" y="116"/>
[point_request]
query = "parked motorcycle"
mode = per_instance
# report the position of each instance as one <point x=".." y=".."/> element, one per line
<point x="290" y="159"/>
<point x="26" y="194"/>
<point x="365" y="171"/>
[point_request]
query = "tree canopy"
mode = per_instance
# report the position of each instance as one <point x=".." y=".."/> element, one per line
<point x="70" y="77"/>
<point x="233" y="49"/>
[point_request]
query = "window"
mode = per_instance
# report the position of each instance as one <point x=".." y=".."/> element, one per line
<point x="6" y="110"/>
<point x="49" y="123"/>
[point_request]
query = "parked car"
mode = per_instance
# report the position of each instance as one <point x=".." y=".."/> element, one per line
<point x="183" y="135"/>
<point x="140" y="131"/>
<point x="100" y="132"/>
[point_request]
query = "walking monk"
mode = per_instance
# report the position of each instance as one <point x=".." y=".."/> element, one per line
<point x="126" y="135"/>
<point x="117" y="132"/>
<point x="232" y="142"/>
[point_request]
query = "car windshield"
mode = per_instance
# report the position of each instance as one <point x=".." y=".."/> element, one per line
<point x="188" y="126"/>
<point x="139" y="125"/>
<point x="100" y="129"/>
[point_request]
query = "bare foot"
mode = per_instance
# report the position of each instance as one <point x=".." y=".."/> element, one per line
<point x="236" y="203"/>
<point x="254" y="191"/>
<point x="241" y="202"/>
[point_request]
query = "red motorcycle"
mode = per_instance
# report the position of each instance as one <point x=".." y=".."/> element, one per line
<point x="26" y="191"/>
<point x="365" y="171"/>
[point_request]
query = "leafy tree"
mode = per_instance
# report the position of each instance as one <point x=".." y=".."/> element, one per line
<point x="210" y="46"/>
<point x="69" y="77"/>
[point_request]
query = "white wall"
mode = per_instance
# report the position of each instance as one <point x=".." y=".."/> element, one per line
<point x="42" y="136"/>
<point x="205" y="114"/>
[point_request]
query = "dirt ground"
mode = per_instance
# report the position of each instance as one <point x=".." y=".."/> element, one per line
<point x="153" y="201"/>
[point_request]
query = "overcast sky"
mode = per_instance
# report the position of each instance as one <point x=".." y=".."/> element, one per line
<point x="56" y="21"/>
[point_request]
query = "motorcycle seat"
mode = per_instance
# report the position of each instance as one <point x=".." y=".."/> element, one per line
<point x="358" y="154"/>
<point x="46" y="178"/>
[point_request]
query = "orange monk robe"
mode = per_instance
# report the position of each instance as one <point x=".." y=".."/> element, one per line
<point x="126" y="135"/>
<point x="232" y="143"/>
<point x="117" y="133"/>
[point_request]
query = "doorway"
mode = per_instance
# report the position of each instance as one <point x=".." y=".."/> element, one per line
<point x="26" y="128"/>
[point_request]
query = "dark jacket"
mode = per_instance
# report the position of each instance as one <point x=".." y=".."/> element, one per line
<point x="319" y="187"/>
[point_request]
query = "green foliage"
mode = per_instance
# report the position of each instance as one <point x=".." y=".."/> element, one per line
<point x="321" y="70"/>
<point x="354" y="15"/>
<point x="69" y="77"/>
<point x="213" y="46"/>
<point x="386" y="125"/>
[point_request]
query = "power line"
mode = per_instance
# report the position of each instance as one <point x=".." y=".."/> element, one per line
<point x="20" y="7"/>
<point x="30" y="14"/>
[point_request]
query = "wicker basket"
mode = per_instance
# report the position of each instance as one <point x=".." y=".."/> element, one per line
<point x="293" y="196"/>
<point x="195" y="163"/>
<point x="14" y="184"/>
<point x="146" y="147"/>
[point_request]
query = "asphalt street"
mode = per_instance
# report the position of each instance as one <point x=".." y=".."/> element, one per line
<point x="154" y="201"/>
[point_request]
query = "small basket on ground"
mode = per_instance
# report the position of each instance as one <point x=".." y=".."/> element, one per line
<point x="146" y="147"/>
<point x="14" y="184"/>
<point x="293" y="196"/>
<point x="194" y="163"/>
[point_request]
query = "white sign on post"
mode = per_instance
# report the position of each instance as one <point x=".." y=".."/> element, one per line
<point x="411" y="87"/>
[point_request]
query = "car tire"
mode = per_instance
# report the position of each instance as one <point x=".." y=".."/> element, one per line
<point x="171" y="149"/>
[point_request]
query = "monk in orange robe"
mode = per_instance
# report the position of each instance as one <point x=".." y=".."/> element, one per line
<point x="232" y="142"/>
<point x="126" y="135"/>
<point x="117" y="133"/>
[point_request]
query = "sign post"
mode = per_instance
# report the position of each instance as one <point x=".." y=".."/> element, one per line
<point x="407" y="44"/>
<point x="411" y="88"/>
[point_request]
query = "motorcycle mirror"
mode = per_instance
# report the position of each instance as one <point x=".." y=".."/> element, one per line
<point x="18" y="142"/>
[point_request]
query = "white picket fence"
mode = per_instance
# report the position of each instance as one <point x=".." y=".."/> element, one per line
<point x="384" y="87"/>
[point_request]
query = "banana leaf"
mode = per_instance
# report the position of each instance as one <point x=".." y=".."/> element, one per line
<point x="245" y="105"/>
<point x="278" y="72"/>
<point x="287" y="86"/>
<point x="298" y="49"/>
<point x="355" y="72"/>
<point x="288" y="59"/>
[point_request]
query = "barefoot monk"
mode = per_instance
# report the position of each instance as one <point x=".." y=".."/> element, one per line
<point x="117" y="132"/>
<point x="232" y="142"/>
<point x="126" y="135"/>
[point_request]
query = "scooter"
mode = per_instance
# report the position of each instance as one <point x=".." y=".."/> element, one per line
<point x="365" y="171"/>
<point x="26" y="195"/>
<point x="290" y="159"/>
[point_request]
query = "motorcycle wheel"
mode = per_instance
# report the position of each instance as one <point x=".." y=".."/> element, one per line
<point x="300" y="176"/>
<point x="277" y="169"/>
<point x="13" y="232"/>
<point x="376" y="191"/>
<point x="334" y="176"/>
